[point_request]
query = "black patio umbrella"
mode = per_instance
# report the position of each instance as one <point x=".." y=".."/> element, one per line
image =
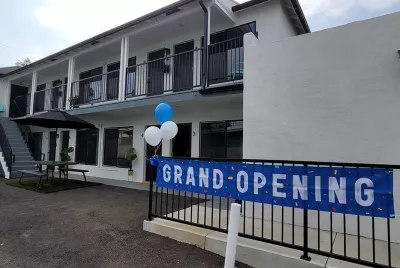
<point x="55" y="119"/>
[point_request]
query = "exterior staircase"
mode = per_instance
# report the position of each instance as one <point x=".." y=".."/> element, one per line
<point x="23" y="159"/>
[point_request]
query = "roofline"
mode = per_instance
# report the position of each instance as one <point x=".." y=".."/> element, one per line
<point x="129" y="24"/>
<point x="295" y="3"/>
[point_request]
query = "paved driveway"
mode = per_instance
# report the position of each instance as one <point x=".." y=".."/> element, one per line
<point x="99" y="226"/>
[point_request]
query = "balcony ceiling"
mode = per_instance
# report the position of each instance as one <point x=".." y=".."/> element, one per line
<point x="182" y="26"/>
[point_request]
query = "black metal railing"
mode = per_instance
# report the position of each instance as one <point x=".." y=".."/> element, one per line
<point x="20" y="106"/>
<point x="6" y="149"/>
<point x="177" y="72"/>
<point x="95" y="89"/>
<point x="226" y="61"/>
<point x="50" y="99"/>
<point x="324" y="233"/>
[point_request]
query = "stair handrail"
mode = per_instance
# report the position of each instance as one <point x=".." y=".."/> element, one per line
<point x="6" y="149"/>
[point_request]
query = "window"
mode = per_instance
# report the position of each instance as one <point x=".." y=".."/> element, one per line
<point x="117" y="141"/>
<point x="86" y="146"/>
<point x="222" y="139"/>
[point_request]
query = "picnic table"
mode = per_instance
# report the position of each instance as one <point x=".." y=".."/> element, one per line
<point x="54" y="164"/>
<point x="40" y="174"/>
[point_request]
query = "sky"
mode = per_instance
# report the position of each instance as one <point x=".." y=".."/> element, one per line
<point x="38" y="28"/>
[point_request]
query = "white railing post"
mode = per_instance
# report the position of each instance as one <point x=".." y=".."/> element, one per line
<point x="71" y="72"/>
<point x="233" y="230"/>
<point x="33" y="90"/>
<point x="123" y="66"/>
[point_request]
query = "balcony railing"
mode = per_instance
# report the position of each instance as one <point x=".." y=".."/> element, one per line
<point x="20" y="106"/>
<point x="95" y="89"/>
<point x="177" y="72"/>
<point x="49" y="99"/>
<point x="226" y="61"/>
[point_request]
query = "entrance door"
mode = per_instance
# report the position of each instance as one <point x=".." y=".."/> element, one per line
<point x="155" y="81"/>
<point x="39" y="98"/>
<point x="151" y="172"/>
<point x="112" y="81"/>
<point x="183" y="66"/>
<point x="18" y="101"/>
<point x="56" y="94"/>
<point x="52" y="146"/>
<point x="182" y="143"/>
<point x="35" y="145"/>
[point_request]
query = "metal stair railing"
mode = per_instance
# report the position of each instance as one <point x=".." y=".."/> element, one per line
<point x="9" y="157"/>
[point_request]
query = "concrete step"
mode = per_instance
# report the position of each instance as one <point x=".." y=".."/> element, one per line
<point x="24" y="163"/>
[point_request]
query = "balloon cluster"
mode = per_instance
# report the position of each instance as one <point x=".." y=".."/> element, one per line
<point x="168" y="130"/>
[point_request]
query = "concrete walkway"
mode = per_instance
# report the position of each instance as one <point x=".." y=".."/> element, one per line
<point x="98" y="227"/>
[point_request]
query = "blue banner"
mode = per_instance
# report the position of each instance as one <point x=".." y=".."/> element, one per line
<point x="357" y="191"/>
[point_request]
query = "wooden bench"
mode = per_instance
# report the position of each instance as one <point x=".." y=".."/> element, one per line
<point x="34" y="173"/>
<point x="83" y="171"/>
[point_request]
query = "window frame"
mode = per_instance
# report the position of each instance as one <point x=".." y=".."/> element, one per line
<point x="104" y="146"/>
<point x="225" y="134"/>
<point x="97" y="148"/>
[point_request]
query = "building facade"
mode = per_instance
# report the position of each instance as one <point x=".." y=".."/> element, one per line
<point x="189" y="54"/>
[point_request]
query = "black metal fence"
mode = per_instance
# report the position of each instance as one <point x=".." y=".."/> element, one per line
<point x="226" y="61"/>
<point x="6" y="149"/>
<point x="357" y="239"/>
<point x="95" y="89"/>
<point x="49" y="99"/>
<point x="177" y="72"/>
<point x="20" y="106"/>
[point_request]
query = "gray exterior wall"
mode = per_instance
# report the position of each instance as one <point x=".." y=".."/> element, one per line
<point x="327" y="96"/>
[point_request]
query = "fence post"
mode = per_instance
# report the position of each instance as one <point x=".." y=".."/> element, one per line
<point x="150" y="218"/>
<point x="305" y="233"/>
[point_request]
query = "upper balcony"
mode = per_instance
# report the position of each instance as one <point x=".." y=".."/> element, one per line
<point x="165" y="56"/>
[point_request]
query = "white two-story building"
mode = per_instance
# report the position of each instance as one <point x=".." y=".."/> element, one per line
<point x="189" y="54"/>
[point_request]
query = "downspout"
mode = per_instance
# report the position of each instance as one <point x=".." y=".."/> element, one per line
<point x="205" y="44"/>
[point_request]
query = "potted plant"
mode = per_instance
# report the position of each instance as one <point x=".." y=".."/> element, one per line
<point x="64" y="155"/>
<point x="131" y="156"/>
<point x="73" y="102"/>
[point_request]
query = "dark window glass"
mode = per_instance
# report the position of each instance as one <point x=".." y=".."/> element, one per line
<point x="86" y="146"/>
<point x="64" y="139"/>
<point x="222" y="139"/>
<point x="131" y="77"/>
<point x="234" y="139"/>
<point x="117" y="141"/>
<point x="113" y="80"/>
<point x="35" y="145"/>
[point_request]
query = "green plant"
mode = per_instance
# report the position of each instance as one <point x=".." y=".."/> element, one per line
<point x="131" y="156"/>
<point x="64" y="155"/>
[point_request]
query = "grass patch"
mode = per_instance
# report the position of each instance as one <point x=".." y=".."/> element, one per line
<point x="51" y="187"/>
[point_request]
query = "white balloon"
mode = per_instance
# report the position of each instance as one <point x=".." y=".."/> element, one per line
<point x="169" y="130"/>
<point x="152" y="136"/>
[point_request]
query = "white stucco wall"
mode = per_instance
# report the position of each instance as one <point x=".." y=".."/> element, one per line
<point x="194" y="113"/>
<point x="332" y="95"/>
<point x="4" y="95"/>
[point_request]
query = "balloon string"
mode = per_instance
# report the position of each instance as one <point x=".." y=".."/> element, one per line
<point x="157" y="147"/>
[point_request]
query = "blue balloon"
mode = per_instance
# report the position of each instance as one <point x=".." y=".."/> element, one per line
<point x="163" y="112"/>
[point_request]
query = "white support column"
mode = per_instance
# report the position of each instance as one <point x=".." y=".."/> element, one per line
<point x="33" y="90"/>
<point x="208" y="24"/>
<point x="71" y="72"/>
<point x="6" y="88"/>
<point x="123" y="66"/>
